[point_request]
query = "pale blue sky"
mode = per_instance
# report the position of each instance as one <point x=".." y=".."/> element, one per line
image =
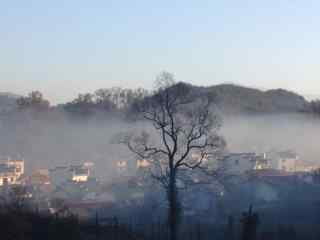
<point x="63" y="47"/>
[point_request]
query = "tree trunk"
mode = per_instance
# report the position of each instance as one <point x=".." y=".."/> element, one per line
<point x="174" y="208"/>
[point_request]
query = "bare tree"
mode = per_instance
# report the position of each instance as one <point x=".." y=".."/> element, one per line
<point x="185" y="139"/>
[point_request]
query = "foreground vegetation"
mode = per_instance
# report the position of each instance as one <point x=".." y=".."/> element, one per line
<point x="23" y="224"/>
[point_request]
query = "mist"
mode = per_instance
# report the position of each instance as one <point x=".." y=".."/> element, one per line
<point x="56" y="139"/>
<point x="262" y="133"/>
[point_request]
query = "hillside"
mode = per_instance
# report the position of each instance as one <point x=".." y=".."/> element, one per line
<point x="234" y="99"/>
<point x="229" y="98"/>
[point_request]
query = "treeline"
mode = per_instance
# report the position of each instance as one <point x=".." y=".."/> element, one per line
<point x="105" y="100"/>
<point x="229" y="99"/>
<point x="102" y="100"/>
<point x="108" y="99"/>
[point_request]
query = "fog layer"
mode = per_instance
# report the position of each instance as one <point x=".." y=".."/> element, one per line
<point x="49" y="141"/>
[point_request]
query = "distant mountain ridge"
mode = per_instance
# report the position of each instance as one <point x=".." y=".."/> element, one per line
<point x="229" y="98"/>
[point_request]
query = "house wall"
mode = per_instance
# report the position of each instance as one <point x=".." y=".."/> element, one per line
<point x="287" y="164"/>
<point x="9" y="180"/>
<point x="239" y="163"/>
<point x="80" y="178"/>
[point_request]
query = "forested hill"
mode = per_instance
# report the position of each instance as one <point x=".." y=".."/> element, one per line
<point x="230" y="99"/>
<point x="236" y="99"/>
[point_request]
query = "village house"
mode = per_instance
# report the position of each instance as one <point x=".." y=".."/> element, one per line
<point x="11" y="171"/>
<point x="239" y="163"/>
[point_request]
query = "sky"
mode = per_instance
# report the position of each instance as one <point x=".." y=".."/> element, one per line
<point x="66" y="47"/>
